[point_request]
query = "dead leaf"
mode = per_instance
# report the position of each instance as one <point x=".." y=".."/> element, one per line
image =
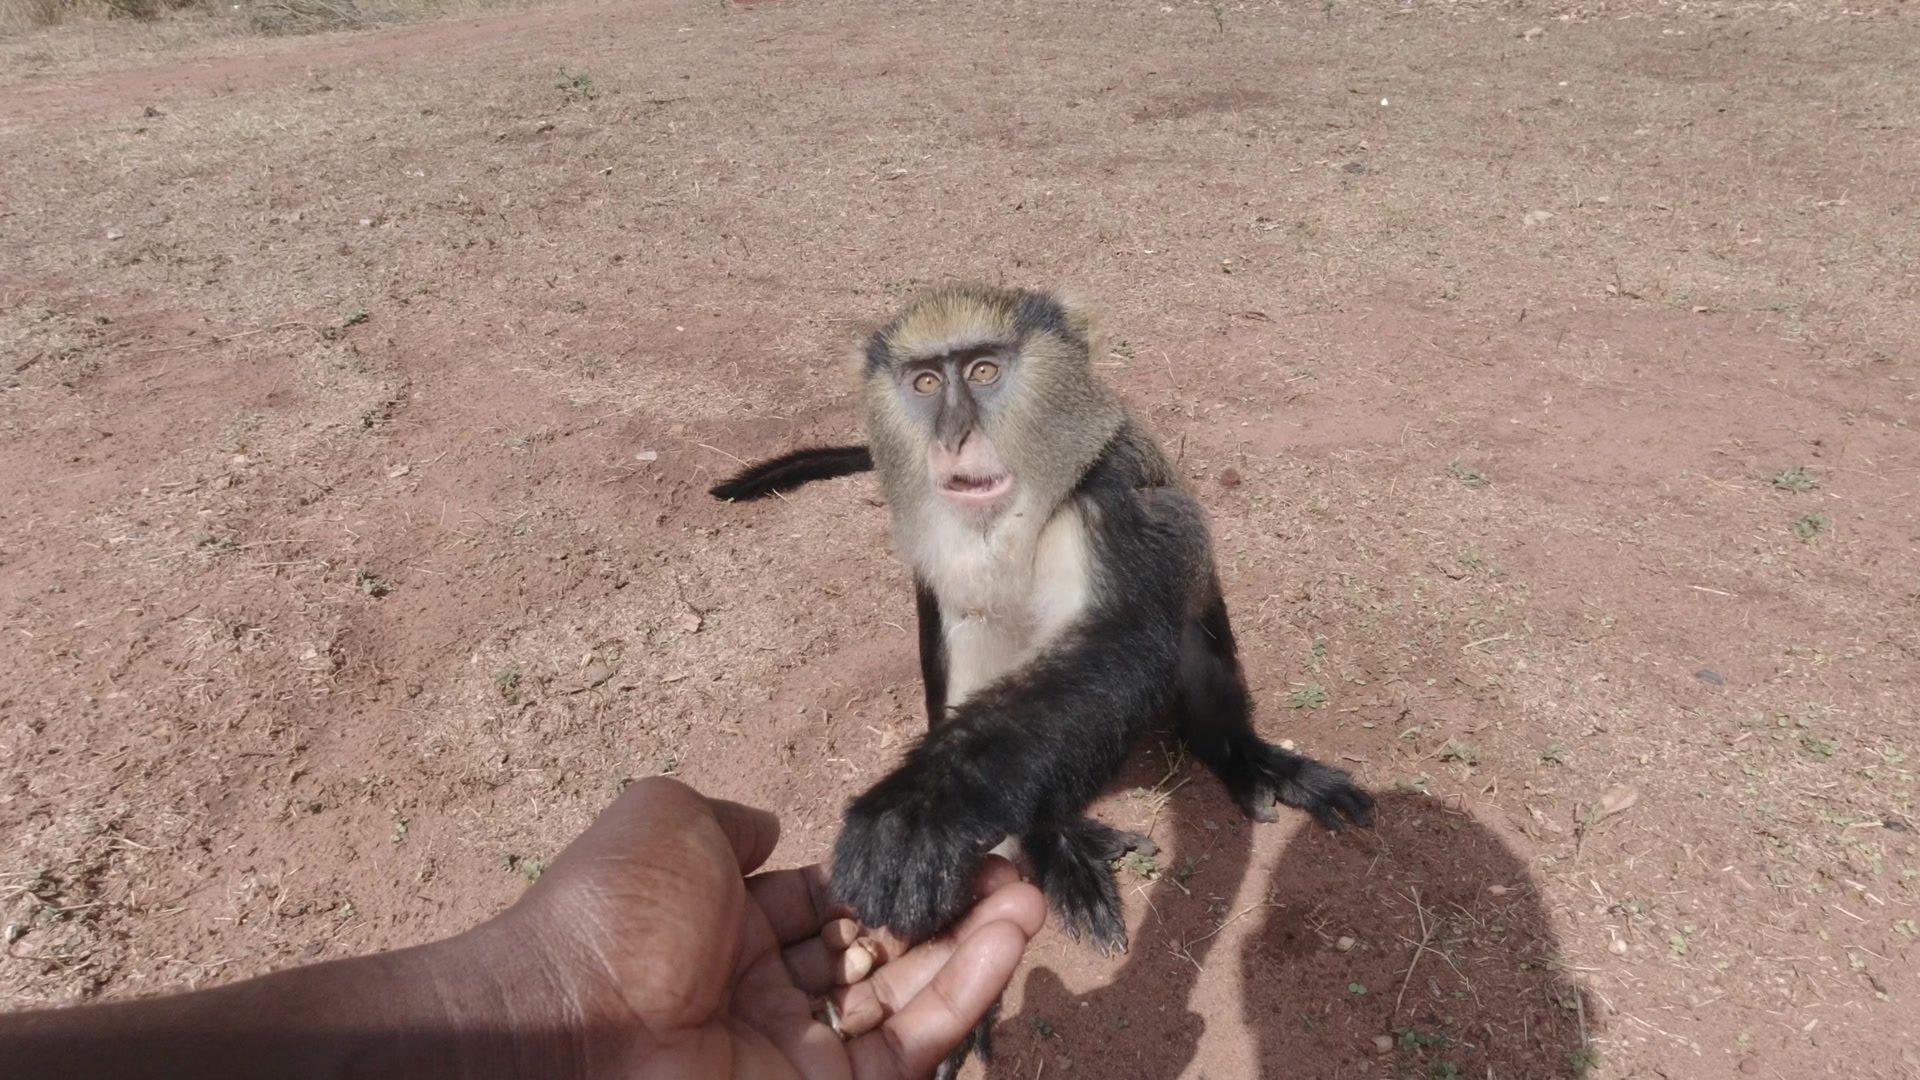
<point x="1541" y="819"/>
<point x="594" y="676"/>
<point x="1618" y="800"/>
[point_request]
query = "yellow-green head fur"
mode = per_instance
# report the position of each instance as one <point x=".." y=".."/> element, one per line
<point x="1057" y="417"/>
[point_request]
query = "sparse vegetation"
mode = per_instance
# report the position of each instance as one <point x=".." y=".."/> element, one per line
<point x="1311" y="696"/>
<point x="214" y="17"/>
<point x="1142" y="866"/>
<point x="1410" y="1039"/>
<point x="577" y="85"/>
<point x="1793" y="478"/>
<point x="1467" y="475"/>
<point x="371" y="583"/>
<point x="1808" y="526"/>
<point x="507" y="683"/>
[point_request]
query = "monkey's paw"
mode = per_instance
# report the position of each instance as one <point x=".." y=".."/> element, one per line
<point x="908" y="852"/>
<point x="1074" y="867"/>
<point x="1329" y="794"/>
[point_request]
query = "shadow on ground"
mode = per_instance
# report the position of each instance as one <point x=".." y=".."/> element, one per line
<point x="1324" y="961"/>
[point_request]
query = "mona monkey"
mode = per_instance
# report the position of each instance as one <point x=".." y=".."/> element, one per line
<point x="1067" y="600"/>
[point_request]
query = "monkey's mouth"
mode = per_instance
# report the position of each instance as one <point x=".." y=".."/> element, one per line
<point x="974" y="490"/>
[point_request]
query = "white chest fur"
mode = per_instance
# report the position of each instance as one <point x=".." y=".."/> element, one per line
<point x="1005" y="592"/>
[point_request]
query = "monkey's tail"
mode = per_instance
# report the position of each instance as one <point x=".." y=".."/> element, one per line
<point x="789" y="471"/>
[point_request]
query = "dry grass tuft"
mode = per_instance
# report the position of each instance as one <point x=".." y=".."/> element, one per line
<point x="303" y="16"/>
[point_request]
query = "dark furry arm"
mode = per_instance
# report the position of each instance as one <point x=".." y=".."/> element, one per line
<point x="933" y="651"/>
<point x="789" y="471"/>
<point x="1038" y="745"/>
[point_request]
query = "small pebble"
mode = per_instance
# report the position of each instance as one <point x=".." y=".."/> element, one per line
<point x="1344" y="944"/>
<point x="1713" y="677"/>
<point x="1229" y="477"/>
<point x="1497" y="890"/>
<point x="1286" y="744"/>
<point x="1383" y="1044"/>
<point x="1618" y="946"/>
<point x="1749" y="1066"/>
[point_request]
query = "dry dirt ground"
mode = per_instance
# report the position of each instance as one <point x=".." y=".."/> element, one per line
<point x="1550" y="371"/>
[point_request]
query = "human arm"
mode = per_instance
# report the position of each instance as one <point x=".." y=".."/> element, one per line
<point x="642" y="951"/>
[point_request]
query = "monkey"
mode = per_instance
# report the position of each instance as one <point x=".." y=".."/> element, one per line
<point x="1067" y="601"/>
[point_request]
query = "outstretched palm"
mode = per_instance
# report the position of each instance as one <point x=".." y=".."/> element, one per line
<point x="665" y="962"/>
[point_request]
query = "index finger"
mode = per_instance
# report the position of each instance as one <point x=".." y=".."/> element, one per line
<point x="752" y="832"/>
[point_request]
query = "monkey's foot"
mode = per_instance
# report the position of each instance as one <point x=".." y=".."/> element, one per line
<point x="1263" y="774"/>
<point x="1119" y="841"/>
<point x="1074" y="867"/>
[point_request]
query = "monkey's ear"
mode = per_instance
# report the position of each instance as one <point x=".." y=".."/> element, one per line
<point x="854" y="360"/>
<point x="1082" y="319"/>
<point x="854" y="352"/>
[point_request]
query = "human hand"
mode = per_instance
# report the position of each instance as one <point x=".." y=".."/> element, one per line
<point x="658" y="958"/>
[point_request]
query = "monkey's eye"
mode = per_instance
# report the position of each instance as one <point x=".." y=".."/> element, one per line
<point x="926" y="383"/>
<point x="984" y="372"/>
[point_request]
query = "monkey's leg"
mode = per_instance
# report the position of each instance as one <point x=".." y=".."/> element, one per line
<point x="1216" y="721"/>
<point x="979" y="1040"/>
<point x="1073" y="865"/>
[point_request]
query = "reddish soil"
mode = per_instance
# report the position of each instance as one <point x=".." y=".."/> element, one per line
<point x="360" y="395"/>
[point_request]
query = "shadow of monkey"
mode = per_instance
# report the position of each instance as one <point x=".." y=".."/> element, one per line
<point x="1419" y="949"/>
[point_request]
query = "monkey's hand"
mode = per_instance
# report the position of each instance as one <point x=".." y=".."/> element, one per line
<point x="911" y="845"/>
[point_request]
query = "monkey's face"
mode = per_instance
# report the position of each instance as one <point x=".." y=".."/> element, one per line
<point x="954" y="397"/>
<point x="982" y="400"/>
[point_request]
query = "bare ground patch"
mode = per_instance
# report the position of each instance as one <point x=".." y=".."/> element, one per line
<point x="1549" y="373"/>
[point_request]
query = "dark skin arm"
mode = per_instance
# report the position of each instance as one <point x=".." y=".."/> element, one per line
<point x="643" y="951"/>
